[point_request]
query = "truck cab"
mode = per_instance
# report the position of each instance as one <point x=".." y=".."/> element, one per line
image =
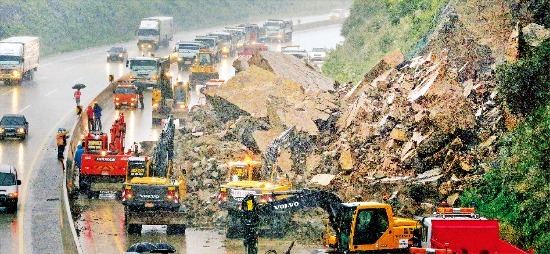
<point x="212" y="43"/>
<point x="19" y="57"/>
<point x="144" y="69"/>
<point x="225" y="42"/>
<point x="187" y="52"/>
<point x="278" y="30"/>
<point x="154" y="32"/>
<point x="463" y="231"/>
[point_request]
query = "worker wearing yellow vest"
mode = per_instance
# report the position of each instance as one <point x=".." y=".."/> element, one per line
<point x="61" y="139"/>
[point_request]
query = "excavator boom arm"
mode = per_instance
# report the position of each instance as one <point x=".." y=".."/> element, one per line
<point x="294" y="201"/>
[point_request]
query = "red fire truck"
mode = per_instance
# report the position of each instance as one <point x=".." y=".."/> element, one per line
<point x="461" y="230"/>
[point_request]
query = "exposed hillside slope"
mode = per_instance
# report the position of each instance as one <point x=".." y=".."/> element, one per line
<point x="470" y="112"/>
<point x="69" y="25"/>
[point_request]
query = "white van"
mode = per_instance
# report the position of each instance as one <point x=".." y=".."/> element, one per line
<point x="9" y="188"/>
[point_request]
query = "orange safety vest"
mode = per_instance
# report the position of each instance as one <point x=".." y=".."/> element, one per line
<point x="59" y="139"/>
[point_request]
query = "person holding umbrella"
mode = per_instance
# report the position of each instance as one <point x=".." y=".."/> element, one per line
<point x="76" y="97"/>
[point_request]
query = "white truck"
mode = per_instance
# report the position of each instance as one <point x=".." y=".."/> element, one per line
<point x="154" y="32"/>
<point x="277" y="30"/>
<point x="19" y="58"/>
<point x="187" y="52"/>
<point x="144" y="69"/>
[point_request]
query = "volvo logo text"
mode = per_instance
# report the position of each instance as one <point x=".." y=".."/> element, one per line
<point x="287" y="205"/>
<point x="149" y="196"/>
<point x="105" y="159"/>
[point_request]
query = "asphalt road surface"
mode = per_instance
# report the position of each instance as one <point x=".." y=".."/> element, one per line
<point x="48" y="104"/>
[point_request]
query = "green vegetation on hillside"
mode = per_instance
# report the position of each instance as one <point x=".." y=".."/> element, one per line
<point x="70" y="25"/>
<point x="526" y="83"/>
<point x="516" y="190"/>
<point x="376" y="27"/>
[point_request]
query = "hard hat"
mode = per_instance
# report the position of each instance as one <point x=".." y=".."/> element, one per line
<point x="61" y="129"/>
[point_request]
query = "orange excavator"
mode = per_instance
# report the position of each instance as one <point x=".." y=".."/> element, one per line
<point x="104" y="160"/>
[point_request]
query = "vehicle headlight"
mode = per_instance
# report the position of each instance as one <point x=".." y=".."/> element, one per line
<point x="108" y="55"/>
<point x="149" y="46"/>
<point x="180" y="59"/>
<point x="133" y="99"/>
<point x="117" y="98"/>
<point x="119" y="55"/>
<point x="16" y="73"/>
<point x="1" y="130"/>
<point x="225" y="49"/>
<point x="21" y="130"/>
<point x="13" y="195"/>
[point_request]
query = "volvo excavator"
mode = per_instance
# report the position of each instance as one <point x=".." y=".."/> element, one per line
<point x="259" y="179"/>
<point x="152" y="191"/>
<point x="357" y="227"/>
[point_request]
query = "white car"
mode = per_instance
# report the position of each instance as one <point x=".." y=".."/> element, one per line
<point x="296" y="51"/>
<point x="337" y="14"/>
<point x="9" y="188"/>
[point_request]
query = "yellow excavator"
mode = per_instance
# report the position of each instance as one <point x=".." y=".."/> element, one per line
<point x="357" y="227"/>
<point x="153" y="189"/>
<point x="249" y="178"/>
<point x="203" y="69"/>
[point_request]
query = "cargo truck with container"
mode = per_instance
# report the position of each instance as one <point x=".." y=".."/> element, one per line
<point x="19" y="57"/>
<point x="154" y="32"/>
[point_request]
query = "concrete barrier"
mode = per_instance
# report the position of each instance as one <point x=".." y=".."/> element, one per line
<point x="79" y="129"/>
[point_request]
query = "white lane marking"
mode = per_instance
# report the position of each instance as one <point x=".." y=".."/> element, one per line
<point x="82" y="55"/>
<point x="28" y="106"/>
<point x="48" y="94"/>
<point x="8" y="91"/>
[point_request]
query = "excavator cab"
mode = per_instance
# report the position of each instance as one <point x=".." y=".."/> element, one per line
<point x="204" y="59"/>
<point x="94" y="143"/>
<point x="137" y="167"/>
<point x="203" y="69"/>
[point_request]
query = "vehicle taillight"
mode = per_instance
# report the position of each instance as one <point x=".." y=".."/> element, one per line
<point x="172" y="195"/>
<point x="127" y="194"/>
<point x="222" y="196"/>
<point x="266" y="198"/>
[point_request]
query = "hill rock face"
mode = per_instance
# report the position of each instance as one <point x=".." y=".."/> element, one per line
<point x="413" y="131"/>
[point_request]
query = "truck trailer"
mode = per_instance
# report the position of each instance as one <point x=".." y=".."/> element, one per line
<point x="19" y="58"/>
<point x="154" y="32"/>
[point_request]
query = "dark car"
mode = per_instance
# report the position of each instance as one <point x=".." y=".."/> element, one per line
<point x="14" y="125"/>
<point x="118" y="53"/>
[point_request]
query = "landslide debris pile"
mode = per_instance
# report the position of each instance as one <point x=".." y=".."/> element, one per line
<point x="414" y="131"/>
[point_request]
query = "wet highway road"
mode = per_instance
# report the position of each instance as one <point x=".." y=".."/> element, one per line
<point x="48" y="104"/>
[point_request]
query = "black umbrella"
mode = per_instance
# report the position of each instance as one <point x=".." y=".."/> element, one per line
<point x="163" y="248"/>
<point x="140" y="86"/>
<point x="79" y="86"/>
<point x="142" y="247"/>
